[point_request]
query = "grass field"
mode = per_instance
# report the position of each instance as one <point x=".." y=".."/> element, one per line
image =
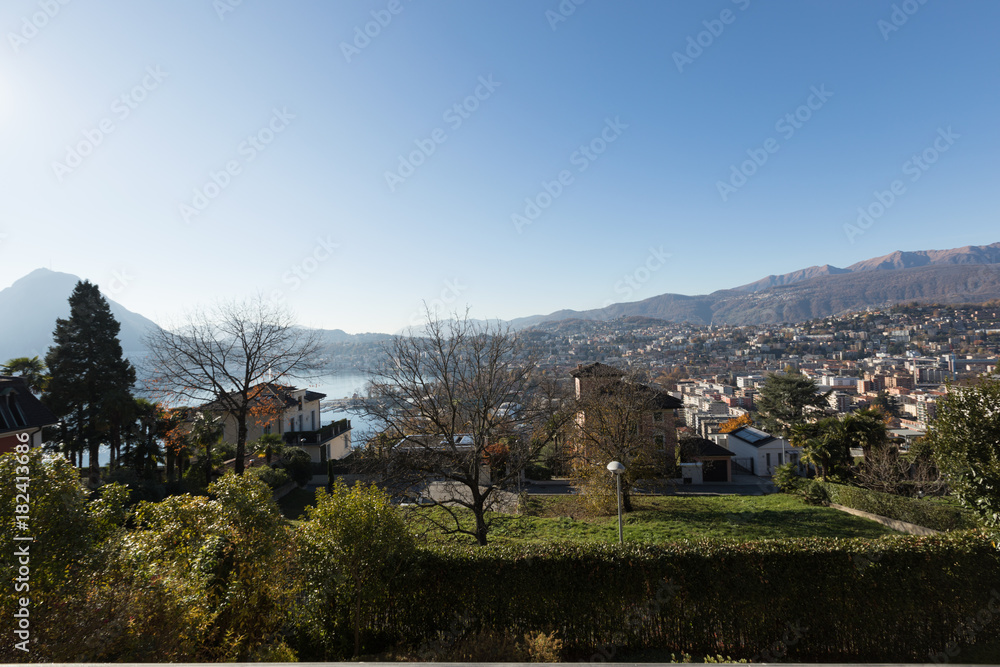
<point x="655" y="519"/>
<point x="673" y="518"/>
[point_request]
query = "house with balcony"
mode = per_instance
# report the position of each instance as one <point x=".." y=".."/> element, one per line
<point x="293" y="413"/>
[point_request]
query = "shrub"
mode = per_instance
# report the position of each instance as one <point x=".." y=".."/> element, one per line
<point x="814" y="493"/>
<point x="934" y="515"/>
<point x="298" y="464"/>
<point x="543" y="647"/>
<point x="537" y="472"/>
<point x="353" y="545"/>
<point x="786" y="478"/>
<point x="274" y="477"/>
<point x="896" y="599"/>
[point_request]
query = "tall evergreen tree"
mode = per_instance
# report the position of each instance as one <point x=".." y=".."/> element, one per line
<point x="89" y="375"/>
<point x="783" y="402"/>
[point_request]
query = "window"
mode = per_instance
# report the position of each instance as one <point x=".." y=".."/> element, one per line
<point x="291" y="424"/>
<point x="779" y="459"/>
<point x="768" y="455"/>
<point x="267" y="429"/>
<point x="312" y="420"/>
<point x="660" y="441"/>
<point x="658" y="416"/>
<point x="300" y="423"/>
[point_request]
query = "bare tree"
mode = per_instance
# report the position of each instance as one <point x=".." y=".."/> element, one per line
<point x="462" y="405"/>
<point x="622" y="419"/>
<point x="225" y="354"/>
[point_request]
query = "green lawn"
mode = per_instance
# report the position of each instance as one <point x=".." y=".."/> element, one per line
<point x="669" y="519"/>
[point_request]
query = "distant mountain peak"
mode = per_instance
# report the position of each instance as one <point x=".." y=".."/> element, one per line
<point x="30" y="306"/>
<point x="942" y="276"/>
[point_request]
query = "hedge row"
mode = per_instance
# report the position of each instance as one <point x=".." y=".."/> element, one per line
<point x="897" y="599"/>
<point x="912" y="510"/>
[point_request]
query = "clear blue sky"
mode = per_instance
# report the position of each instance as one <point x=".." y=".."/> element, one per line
<point x="199" y="79"/>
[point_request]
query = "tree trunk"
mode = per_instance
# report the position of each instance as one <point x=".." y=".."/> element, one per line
<point x="241" y="444"/>
<point x="170" y="465"/>
<point x="478" y="508"/>
<point x="626" y="500"/>
<point x="208" y="463"/>
<point x="95" y="466"/>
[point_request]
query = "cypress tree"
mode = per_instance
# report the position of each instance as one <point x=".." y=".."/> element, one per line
<point x="89" y="375"/>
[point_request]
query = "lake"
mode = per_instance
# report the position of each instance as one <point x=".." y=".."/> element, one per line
<point x="340" y="385"/>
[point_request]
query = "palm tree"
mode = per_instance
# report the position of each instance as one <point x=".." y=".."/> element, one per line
<point x="207" y="431"/>
<point x="269" y="444"/>
<point x="825" y="443"/>
<point x="867" y="429"/>
<point x="32" y="369"/>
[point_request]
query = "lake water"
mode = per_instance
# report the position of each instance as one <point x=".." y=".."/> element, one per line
<point x="334" y="386"/>
<point x="338" y="387"/>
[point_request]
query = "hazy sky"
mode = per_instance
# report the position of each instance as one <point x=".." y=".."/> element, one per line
<point x="519" y="157"/>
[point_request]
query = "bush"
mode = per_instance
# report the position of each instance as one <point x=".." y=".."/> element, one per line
<point x="298" y="464"/>
<point x="934" y="515"/>
<point x="353" y="547"/>
<point x="896" y="599"/>
<point x="274" y="477"/>
<point x="140" y="488"/>
<point x="537" y="472"/>
<point x="786" y="478"/>
<point x="814" y="493"/>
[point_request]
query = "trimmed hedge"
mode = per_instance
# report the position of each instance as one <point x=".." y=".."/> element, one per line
<point x="912" y="510"/>
<point x="888" y="600"/>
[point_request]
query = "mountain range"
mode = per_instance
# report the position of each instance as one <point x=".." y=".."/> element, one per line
<point x="967" y="274"/>
<point x="29" y="307"/>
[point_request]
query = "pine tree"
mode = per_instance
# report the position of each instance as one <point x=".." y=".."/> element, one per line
<point x="90" y="378"/>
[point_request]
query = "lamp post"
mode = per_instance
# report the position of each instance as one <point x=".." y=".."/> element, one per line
<point x="616" y="469"/>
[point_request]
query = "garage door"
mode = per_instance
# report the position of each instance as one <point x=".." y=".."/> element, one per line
<point x="714" y="471"/>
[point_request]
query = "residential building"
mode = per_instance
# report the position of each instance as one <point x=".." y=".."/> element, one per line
<point x="22" y="415"/>
<point x="763" y="451"/>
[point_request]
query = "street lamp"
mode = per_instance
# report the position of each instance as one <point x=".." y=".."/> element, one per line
<point x="616" y="469"/>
